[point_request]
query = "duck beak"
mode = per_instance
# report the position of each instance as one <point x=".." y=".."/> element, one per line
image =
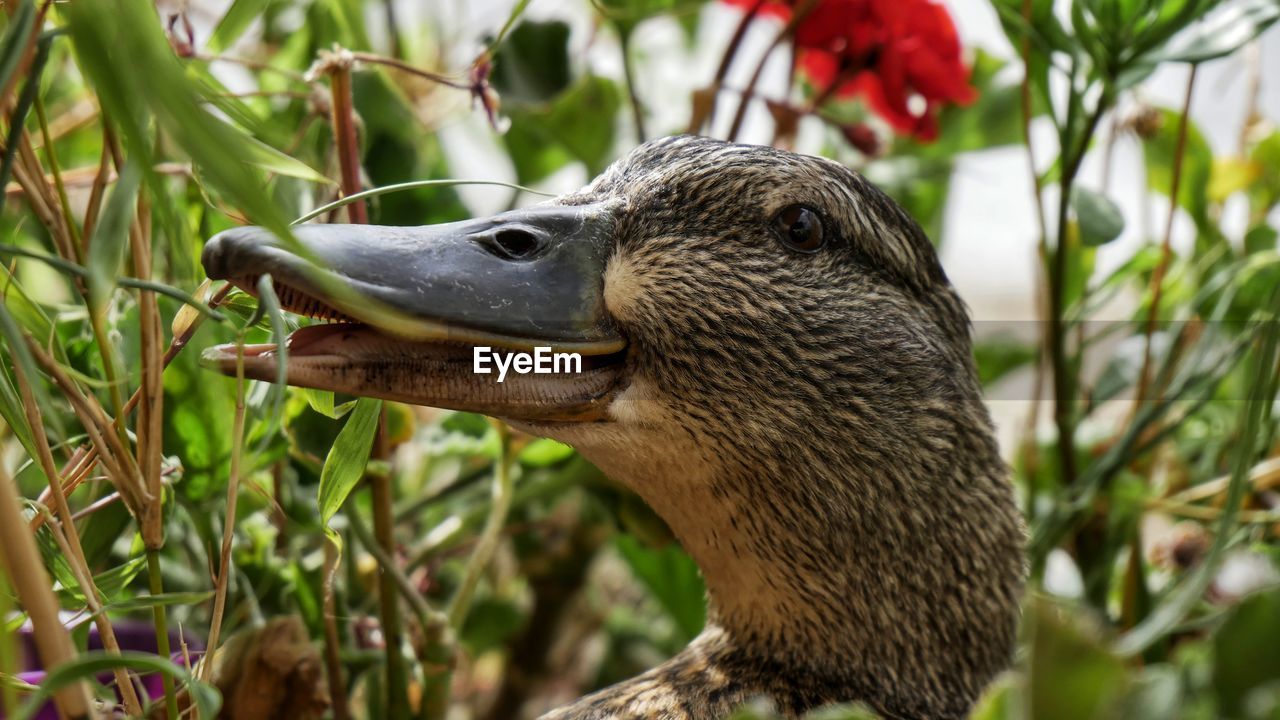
<point x="429" y="315"/>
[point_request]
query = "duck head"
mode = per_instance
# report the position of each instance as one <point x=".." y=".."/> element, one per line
<point x="772" y="357"/>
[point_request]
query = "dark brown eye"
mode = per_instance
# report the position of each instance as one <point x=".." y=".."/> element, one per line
<point x="800" y="229"/>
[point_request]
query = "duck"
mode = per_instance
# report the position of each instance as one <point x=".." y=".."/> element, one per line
<point x="771" y="356"/>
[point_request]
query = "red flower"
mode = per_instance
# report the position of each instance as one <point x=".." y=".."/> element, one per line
<point x="767" y="8"/>
<point x="903" y="57"/>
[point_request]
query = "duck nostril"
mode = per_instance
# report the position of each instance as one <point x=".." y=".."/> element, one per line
<point x="516" y="243"/>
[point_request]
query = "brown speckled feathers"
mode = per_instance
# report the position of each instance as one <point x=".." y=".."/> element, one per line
<point x="812" y="428"/>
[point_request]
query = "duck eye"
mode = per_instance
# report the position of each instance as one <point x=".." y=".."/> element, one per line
<point x="800" y="229"/>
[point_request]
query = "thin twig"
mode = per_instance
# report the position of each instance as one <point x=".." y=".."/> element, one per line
<point x="344" y="131"/>
<point x="1166" y="245"/>
<point x="433" y="622"/>
<point x="332" y="641"/>
<point x="35" y="591"/>
<point x="75" y="550"/>
<point x="229" y="523"/>
<point x="1262" y="476"/>
<point x="698" y="121"/>
<point x="406" y="67"/>
<point x="175" y="346"/>
<point x="629" y="79"/>
<point x="52" y="157"/>
<point x="1027" y="107"/>
<point x="801" y="12"/>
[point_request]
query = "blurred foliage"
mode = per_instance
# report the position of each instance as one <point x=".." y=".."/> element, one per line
<point x="131" y="139"/>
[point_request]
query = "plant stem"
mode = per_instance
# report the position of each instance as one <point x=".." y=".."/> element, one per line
<point x="392" y="627"/>
<point x="344" y="131"/>
<point x="488" y="543"/>
<point x="1063" y="380"/>
<point x="75" y="550"/>
<point x="1166" y="246"/>
<point x="156" y="585"/>
<point x="629" y="79"/>
<point x="1025" y="100"/>
<point x="35" y="592"/>
<point x="698" y="121"/>
<point x="52" y="157"/>
<point x="175" y="346"/>
<point x="332" y="641"/>
<point x="802" y="11"/>
<point x="437" y="649"/>
<point x="8" y="649"/>
<point x="411" y="69"/>
<point x="229" y="523"/>
<point x="383" y="522"/>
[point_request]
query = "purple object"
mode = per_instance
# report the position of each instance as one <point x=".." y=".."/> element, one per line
<point x="132" y="635"/>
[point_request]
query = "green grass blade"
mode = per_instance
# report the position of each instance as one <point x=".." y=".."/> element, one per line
<point x="374" y="192"/>
<point x="87" y="665"/>
<point x="25" y="101"/>
<point x="15" y="40"/>
<point x="21" y="356"/>
<point x="233" y="24"/>
<point x="110" y="236"/>
<point x="109" y="36"/>
<point x="269" y="305"/>
<point x="71" y="268"/>
<point x="1253" y="416"/>
<point x="345" y="464"/>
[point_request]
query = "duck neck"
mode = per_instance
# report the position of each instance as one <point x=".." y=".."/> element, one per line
<point x="847" y="575"/>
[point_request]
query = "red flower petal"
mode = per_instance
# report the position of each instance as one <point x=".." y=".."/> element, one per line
<point x="779" y="9"/>
<point x="908" y="51"/>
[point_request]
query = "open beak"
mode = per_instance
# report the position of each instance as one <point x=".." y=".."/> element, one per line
<point x="414" y="308"/>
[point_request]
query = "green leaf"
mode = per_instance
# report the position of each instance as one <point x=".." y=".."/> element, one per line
<point x="672" y="578"/>
<point x="533" y="64"/>
<point x="1072" y="676"/>
<point x="108" y="36"/>
<point x="146" y="602"/>
<point x="20" y="354"/>
<point x="88" y="665"/>
<point x="1230" y="175"/>
<point x="14" y="45"/>
<point x="999" y="356"/>
<point x="346" y="461"/>
<point x="545" y="452"/>
<point x="1245" y="650"/>
<point x="321" y="401"/>
<point x="578" y="125"/>
<point x="630" y="12"/>
<point x="110" y="236"/>
<point x="1099" y="219"/>
<point x="269" y="305"/>
<point x="235" y="22"/>
<point x="1265" y="193"/>
<point x="1260" y="238"/>
<point x="15" y="42"/>
<point x="490" y="623"/>
<point x="272" y="160"/>
<point x="109" y="582"/>
<point x="1221" y="33"/>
